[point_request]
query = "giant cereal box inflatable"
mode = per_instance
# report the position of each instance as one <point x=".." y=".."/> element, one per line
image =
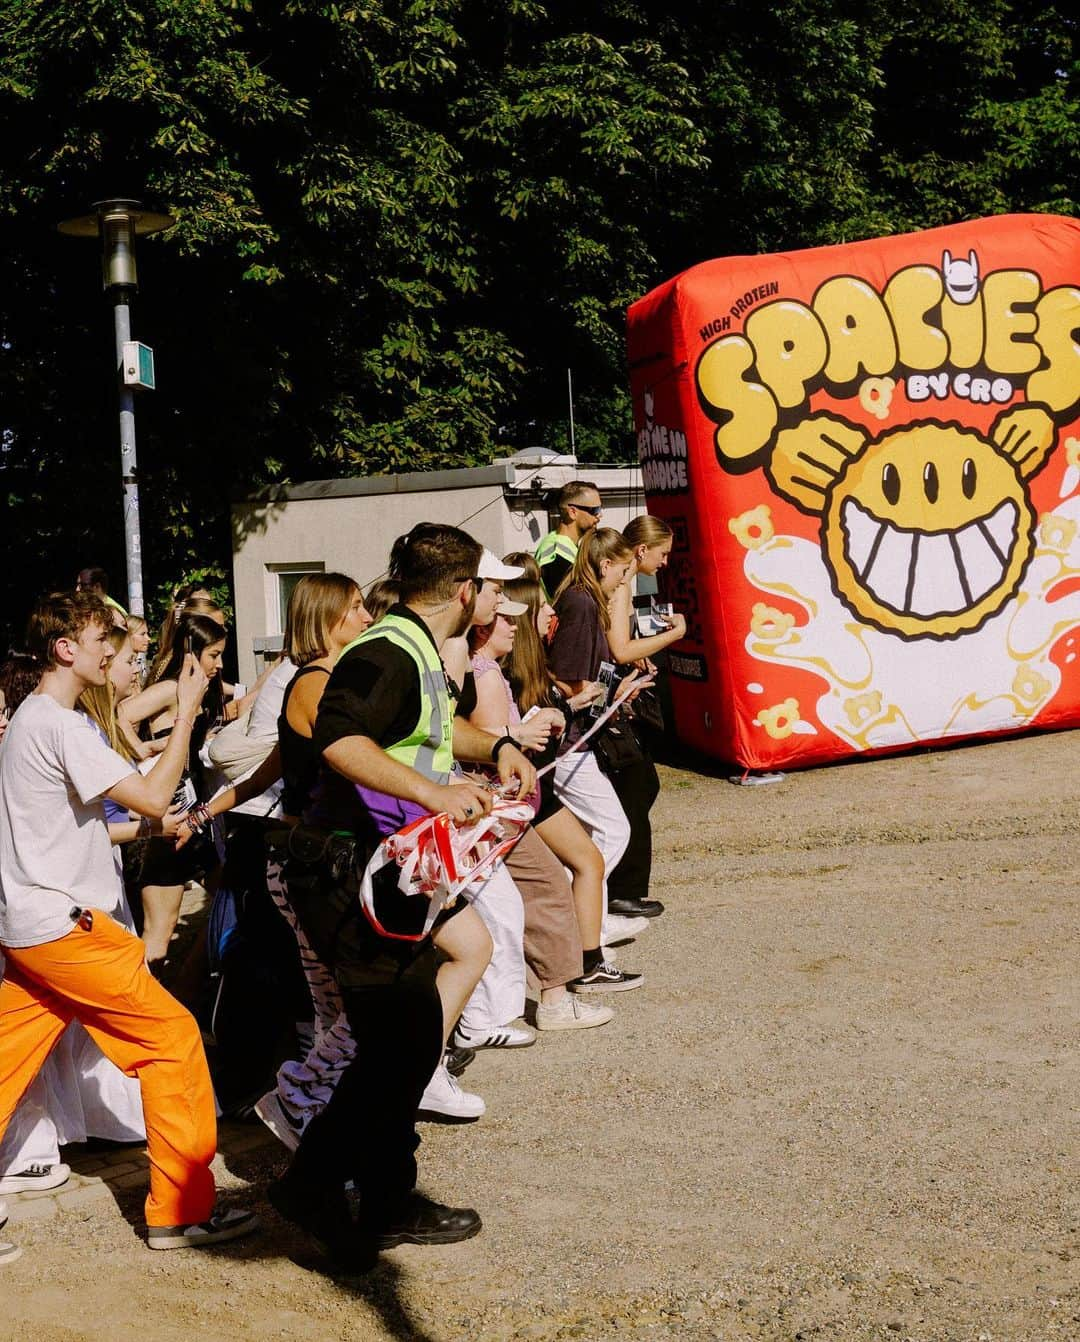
<point x="870" y="456"/>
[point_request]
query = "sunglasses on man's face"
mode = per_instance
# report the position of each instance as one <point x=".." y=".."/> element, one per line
<point x="478" y="583"/>
<point x="595" y="510"/>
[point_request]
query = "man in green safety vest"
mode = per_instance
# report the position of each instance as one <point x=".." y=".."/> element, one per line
<point x="388" y="738"/>
<point x="579" y="509"/>
<point x="96" y="581"/>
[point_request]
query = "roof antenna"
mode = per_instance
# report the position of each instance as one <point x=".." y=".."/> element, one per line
<point x="570" y="393"/>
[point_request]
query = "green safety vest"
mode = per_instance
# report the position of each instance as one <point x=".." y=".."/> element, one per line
<point x="555" y="546"/>
<point x="429" y="747"/>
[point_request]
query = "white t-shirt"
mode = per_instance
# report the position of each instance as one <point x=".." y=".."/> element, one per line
<point x="55" y="852"/>
<point x="263" y="726"/>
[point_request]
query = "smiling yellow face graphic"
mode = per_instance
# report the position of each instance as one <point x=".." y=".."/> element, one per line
<point x="927" y="531"/>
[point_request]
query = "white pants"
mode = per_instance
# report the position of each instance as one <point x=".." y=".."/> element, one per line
<point x="584" y="789"/>
<point x="31" y="1137"/>
<point x="499" y="997"/>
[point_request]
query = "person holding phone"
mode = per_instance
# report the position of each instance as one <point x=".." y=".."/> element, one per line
<point x="579" y="647"/>
<point x="637" y="783"/>
<point x="165" y="871"/>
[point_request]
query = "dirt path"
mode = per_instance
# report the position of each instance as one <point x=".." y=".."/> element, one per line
<point x="844" y="1106"/>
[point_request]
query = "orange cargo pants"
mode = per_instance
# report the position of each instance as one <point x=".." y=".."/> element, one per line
<point x="99" y="978"/>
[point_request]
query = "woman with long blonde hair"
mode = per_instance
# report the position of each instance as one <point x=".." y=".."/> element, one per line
<point x="637" y="784"/>
<point x="577" y="650"/>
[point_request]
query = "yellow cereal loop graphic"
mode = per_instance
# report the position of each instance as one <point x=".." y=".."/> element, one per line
<point x="1072" y="451"/>
<point x="752" y="528"/>
<point x="779" y="721"/>
<point x="1056" y="533"/>
<point x="768" y="622"/>
<point x="875" y="396"/>
<point x="862" y="708"/>
<point x="1029" y="685"/>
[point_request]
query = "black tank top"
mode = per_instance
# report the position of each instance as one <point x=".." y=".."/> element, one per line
<point x="299" y="758"/>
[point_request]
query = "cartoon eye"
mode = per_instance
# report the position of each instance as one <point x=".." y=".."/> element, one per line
<point x="890" y="483"/>
<point x="967" y="478"/>
<point x="930" y="482"/>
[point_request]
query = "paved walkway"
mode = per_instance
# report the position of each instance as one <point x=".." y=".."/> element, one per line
<point x="99" y="1172"/>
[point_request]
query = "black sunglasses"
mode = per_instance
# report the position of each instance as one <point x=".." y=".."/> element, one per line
<point x="587" y="508"/>
<point x="478" y="583"/>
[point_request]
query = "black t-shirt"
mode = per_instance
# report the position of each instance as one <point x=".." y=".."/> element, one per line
<point x="465" y="699"/>
<point x="580" y="643"/>
<point x="553" y="572"/>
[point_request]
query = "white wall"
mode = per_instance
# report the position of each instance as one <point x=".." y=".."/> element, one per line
<point x="353" y="533"/>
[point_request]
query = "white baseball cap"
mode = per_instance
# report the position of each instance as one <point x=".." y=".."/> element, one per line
<point x="496" y="570"/>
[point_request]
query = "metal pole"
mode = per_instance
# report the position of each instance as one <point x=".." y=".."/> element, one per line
<point x="116" y="224"/>
<point x="128" y="461"/>
<point x="570" y="392"/>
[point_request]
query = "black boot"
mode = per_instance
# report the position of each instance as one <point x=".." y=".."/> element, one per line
<point x="415" y="1219"/>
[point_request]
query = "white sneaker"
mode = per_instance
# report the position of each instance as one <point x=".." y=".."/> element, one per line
<point x="8" y="1252"/>
<point x="35" y="1179"/>
<point x="445" y="1097"/>
<point x="618" y="929"/>
<point x="504" y="1036"/>
<point x="572" y="1013"/>
<point x="285" y="1126"/>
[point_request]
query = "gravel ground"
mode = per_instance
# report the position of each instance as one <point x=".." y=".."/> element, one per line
<point x="844" y="1106"/>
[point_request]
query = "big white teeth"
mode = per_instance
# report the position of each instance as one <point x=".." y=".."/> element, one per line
<point x="929" y="573"/>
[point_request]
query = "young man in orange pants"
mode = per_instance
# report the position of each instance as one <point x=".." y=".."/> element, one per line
<point x="66" y="958"/>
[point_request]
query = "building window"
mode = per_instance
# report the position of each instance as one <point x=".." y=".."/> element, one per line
<point x="284" y="578"/>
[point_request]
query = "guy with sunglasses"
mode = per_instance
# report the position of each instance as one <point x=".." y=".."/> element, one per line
<point x="579" y="509"/>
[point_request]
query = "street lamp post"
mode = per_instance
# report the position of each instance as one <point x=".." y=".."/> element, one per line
<point x="117" y="223"/>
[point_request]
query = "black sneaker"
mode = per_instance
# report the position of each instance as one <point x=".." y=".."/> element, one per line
<point x="324" y="1214"/>
<point x="418" y="1220"/>
<point x="457" y="1059"/>
<point x="606" y="978"/>
<point x="221" y="1226"/>
<point x="636" y="908"/>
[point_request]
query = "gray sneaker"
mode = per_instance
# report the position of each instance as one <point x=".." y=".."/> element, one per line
<point x="8" y="1252"/>
<point x="221" y="1226"/>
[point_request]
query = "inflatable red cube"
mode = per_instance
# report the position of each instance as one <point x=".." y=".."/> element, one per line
<point x="870" y="456"/>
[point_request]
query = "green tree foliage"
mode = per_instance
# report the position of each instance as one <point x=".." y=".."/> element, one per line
<point x="398" y="223"/>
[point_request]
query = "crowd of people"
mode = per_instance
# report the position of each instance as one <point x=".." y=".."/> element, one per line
<point x="339" y="987"/>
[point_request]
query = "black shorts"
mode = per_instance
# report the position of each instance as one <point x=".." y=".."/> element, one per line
<point x="163" y="865"/>
<point x="549" y="802"/>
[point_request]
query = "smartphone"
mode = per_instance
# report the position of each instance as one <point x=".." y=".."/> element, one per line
<point x="605" y="677"/>
<point x="531" y="713"/>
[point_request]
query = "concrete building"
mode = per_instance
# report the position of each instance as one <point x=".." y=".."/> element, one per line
<point x="348" y="526"/>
